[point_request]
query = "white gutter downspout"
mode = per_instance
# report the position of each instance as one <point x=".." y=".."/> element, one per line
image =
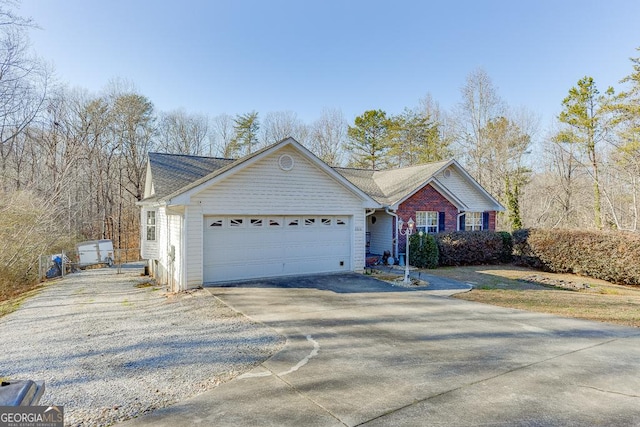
<point x="366" y="226"/>
<point x="393" y="214"/>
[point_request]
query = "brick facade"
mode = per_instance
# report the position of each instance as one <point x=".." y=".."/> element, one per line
<point x="428" y="199"/>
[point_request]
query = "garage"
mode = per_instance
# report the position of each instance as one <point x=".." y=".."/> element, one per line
<point x="246" y="247"/>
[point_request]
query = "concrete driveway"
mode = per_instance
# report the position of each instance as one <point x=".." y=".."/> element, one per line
<point x="361" y="352"/>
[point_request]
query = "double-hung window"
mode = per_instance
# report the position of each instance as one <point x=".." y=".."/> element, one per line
<point x="427" y="221"/>
<point x="151" y="225"/>
<point x="473" y="221"/>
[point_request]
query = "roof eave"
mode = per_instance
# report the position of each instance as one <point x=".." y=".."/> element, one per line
<point x="183" y="195"/>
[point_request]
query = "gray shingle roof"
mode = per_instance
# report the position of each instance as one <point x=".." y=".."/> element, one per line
<point x="171" y="172"/>
<point x="388" y="187"/>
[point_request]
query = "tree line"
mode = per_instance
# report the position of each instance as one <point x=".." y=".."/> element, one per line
<point x="72" y="163"/>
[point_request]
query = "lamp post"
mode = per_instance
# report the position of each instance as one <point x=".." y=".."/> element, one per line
<point x="408" y="231"/>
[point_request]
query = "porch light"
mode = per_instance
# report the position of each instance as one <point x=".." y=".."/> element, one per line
<point x="407" y="232"/>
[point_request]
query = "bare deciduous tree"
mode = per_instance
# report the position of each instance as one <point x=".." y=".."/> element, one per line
<point x="221" y="136"/>
<point x="280" y="125"/>
<point x="182" y="133"/>
<point x="23" y="83"/>
<point x="328" y="135"/>
<point x="480" y="104"/>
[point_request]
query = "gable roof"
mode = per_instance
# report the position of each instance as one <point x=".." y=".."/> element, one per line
<point x="394" y="186"/>
<point x="194" y="176"/>
<point x="174" y="175"/>
<point x="171" y="172"/>
<point x="389" y="187"/>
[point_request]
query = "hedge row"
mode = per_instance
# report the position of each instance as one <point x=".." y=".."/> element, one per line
<point x="611" y="256"/>
<point x="474" y="247"/>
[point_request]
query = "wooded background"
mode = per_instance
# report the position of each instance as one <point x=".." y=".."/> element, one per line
<point x="72" y="162"/>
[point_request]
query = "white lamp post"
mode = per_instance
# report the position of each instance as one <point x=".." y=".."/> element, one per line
<point x="408" y="231"/>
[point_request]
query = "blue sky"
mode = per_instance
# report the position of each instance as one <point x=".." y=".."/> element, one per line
<point x="236" y="56"/>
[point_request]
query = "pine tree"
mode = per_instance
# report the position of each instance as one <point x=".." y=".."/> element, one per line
<point x="246" y="128"/>
<point x="369" y="140"/>
<point x="583" y="116"/>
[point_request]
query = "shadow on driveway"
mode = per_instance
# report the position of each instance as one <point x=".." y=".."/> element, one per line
<point x="344" y="283"/>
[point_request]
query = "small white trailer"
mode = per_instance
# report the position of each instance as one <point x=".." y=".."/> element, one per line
<point x="94" y="252"/>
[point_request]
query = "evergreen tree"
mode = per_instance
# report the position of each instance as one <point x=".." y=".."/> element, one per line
<point x="369" y="140"/>
<point x="416" y="139"/>
<point x="246" y="128"/>
<point x="512" y="195"/>
<point x="583" y="116"/>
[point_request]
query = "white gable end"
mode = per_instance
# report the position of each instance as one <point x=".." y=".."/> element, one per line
<point x="273" y="186"/>
<point x="265" y="188"/>
<point x="473" y="198"/>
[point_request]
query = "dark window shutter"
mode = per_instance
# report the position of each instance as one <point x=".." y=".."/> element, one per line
<point x="440" y="222"/>
<point x="461" y="222"/>
<point x="485" y="220"/>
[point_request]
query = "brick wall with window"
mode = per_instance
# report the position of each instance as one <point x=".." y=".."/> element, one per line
<point x="429" y="200"/>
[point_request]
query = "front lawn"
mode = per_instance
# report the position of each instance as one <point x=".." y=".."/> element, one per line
<point x="561" y="294"/>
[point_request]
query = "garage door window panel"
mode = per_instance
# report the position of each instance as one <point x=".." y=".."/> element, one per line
<point x="236" y="222"/>
<point x="275" y="222"/>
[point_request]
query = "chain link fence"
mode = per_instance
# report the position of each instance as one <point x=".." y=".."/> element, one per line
<point x="59" y="265"/>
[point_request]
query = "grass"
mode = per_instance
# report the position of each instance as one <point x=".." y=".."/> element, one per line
<point x="12" y="304"/>
<point x="560" y="294"/>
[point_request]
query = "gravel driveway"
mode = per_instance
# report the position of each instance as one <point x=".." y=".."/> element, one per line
<point x="110" y="346"/>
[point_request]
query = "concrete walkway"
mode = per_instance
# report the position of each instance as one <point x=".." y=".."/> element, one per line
<point x="361" y="352"/>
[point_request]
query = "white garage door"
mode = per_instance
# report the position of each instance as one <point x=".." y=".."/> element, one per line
<point x="245" y="247"/>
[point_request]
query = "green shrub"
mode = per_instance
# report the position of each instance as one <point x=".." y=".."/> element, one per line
<point x="506" y="255"/>
<point x="522" y="252"/>
<point x="423" y="251"/>
<point x="471" y="247"/>
<point x="611" y="256"/>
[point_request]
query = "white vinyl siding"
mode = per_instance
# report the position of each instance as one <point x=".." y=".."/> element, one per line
<point x="193" y="246"/>
<point x="264" y="189"/>
<point x="174" y="247"/>
<point x="381" y="233"/>
<point x="465" y="191"/>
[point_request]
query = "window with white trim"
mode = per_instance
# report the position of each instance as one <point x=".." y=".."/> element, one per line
<point x="427" y="221"/>
<point x="151" y="225"/>
<point x="473" y="221"/>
